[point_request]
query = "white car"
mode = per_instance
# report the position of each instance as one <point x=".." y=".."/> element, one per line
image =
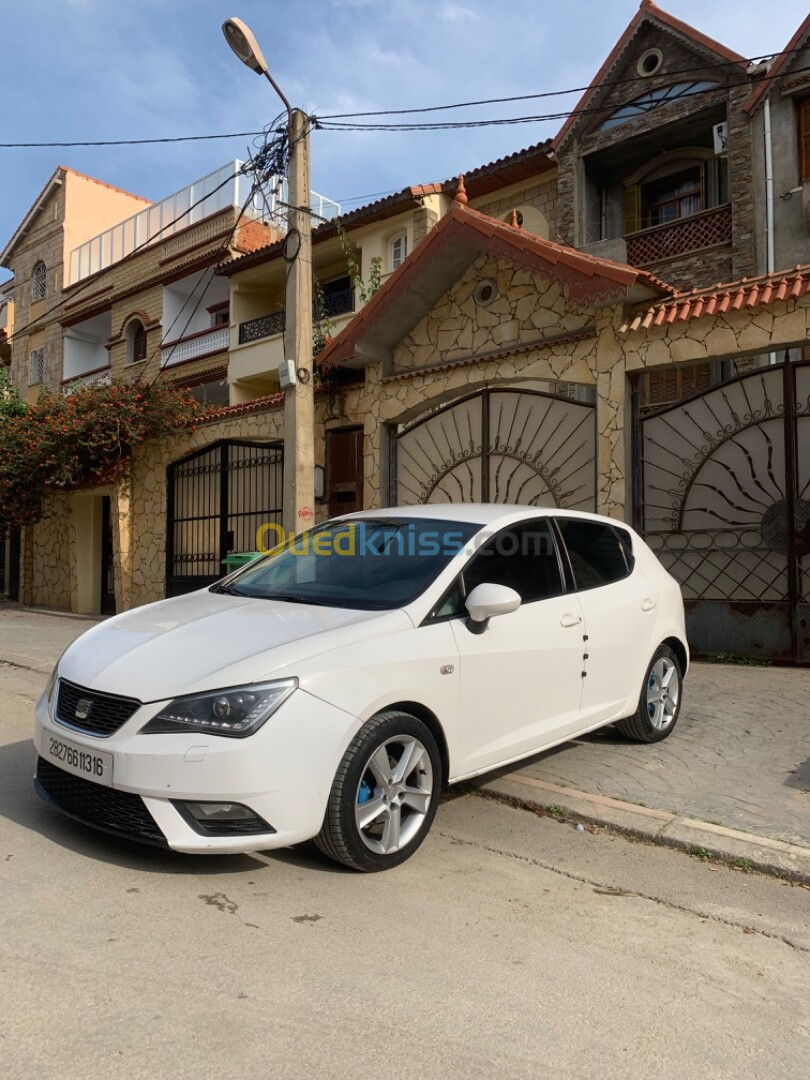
<point x="331" y="689"/>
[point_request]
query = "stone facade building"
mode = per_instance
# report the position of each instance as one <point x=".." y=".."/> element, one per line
<point x="110" y="287"/>
<point x="548" y="330"/>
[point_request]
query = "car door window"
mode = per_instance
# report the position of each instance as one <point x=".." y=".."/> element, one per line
<point x="596" y="555"/>
<point x="523" y="557"/>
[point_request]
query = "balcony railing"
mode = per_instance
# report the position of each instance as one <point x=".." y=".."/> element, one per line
<point x="680" y="237"/>
<point x="226" y="186"/>
<point x="102" y="376"/>
<point x="195" y="345"/>
<point x="336" y="303"/>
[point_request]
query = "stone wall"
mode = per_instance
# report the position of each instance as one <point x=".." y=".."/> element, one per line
<point x="144" y="579"/>
<point x="527" y="310"/>
<point x="43" y="242"/>
<point x="48" y="582"/>
<point x="697" y="269"/>
<point x="598" y="347"/>
<point x="586" y="140"/>
<point x="133" y="288"/>
<point x="722" y="337"/>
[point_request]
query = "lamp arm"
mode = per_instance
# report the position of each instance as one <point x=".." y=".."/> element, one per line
<point x="277" y="89"/>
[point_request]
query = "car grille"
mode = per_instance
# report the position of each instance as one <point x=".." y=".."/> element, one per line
<point x="106" y="713"/>
<point x="118" y="812"/>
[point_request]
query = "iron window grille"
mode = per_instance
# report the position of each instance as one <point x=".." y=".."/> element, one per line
<point x="39" y="282"/>
<point x="36" y="367"/>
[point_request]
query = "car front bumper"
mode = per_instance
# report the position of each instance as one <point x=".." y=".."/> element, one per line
<point x="283" y="773"/>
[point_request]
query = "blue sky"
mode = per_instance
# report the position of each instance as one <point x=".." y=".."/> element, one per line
<point x="99" y="69"/>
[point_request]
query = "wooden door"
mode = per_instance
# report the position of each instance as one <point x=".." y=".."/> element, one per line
<point x="344" y="456"/>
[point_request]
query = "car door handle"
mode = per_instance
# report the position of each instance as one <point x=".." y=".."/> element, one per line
<point x="570" y="620"/>
<point x="649" y="604"/>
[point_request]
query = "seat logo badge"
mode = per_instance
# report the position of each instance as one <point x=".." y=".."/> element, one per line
<point x="83" y="707"/>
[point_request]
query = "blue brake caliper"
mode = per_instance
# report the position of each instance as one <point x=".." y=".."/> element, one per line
<point x="363" y="792"/>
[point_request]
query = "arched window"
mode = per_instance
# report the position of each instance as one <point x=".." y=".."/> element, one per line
<point x="39" y="282"/>
<point x="136" y="342"/>
<point x="654" y="99"/>
<point x="397" y="250"/>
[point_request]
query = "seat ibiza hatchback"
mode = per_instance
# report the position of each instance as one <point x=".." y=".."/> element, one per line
<point x="331" y="689"/>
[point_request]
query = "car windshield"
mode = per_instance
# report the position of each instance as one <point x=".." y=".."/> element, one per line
<point x="369" y="563"/>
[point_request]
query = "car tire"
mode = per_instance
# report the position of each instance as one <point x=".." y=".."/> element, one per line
<point x="392" y="766"/>
<point x="659" y="702"/>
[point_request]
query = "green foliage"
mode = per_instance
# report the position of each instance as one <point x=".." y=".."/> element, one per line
<point x="11" y="404"/>
<point x="61" y="443"/>
<point x="365" y="290"/>
<point x="323" y="327"/>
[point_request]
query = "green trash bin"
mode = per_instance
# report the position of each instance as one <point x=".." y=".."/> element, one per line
<point x="238" y="559"/>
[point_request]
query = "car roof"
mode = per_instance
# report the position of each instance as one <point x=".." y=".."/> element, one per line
<point x="473" y="513"/>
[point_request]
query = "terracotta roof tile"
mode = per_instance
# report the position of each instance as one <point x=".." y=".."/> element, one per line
<point x="719" y="299"/>
<point x="500" y="239"/>
<point x="480" y="180"/>
<point x="227" y="412"/>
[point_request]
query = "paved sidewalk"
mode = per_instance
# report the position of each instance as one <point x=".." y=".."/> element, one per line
<point x="738" y="756"/>
<point x="733" y="778"/>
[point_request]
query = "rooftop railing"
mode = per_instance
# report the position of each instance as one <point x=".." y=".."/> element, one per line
<point x="225" y="187"/>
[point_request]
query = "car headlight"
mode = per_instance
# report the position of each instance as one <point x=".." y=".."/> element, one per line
<point x="237" y="711"/>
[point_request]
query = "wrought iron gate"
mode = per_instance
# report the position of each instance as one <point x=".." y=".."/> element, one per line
<point x="218" y="498"/>
<point x="501" y="446"/>
<point x="723" y="499"/>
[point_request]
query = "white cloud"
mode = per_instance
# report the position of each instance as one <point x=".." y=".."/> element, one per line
<point x="457" y="13"/>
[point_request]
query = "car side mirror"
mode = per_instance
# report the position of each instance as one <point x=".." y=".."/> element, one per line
<point x="487" y="600"/>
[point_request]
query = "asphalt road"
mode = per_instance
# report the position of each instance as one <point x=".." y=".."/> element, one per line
<point x="510" y="946"/>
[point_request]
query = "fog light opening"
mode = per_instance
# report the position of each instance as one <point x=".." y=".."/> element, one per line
<point x="219" y="811"/>
<point x="221" y="818"/>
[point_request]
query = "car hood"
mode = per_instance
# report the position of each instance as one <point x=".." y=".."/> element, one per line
<point x="206" y="641"/>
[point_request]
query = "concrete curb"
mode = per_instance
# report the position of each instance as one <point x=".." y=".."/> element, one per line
<point x="22" y="609"/>
<point x="655" y="826"/>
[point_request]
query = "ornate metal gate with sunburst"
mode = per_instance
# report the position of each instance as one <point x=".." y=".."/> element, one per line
<point x="501" y="446"/>
<point x="724" y="494"/>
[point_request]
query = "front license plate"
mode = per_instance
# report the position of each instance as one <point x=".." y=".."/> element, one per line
<point x="92" y="764"/>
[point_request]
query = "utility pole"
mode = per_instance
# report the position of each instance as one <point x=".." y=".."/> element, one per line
<point x="299" y="404"/>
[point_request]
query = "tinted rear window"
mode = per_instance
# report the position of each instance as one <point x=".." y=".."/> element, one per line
<point x="627" y="545"/>
<point x="595" y="552"/>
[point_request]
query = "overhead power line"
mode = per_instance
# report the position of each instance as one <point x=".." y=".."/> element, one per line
<point x="328" y="121"/>
<point x="556" y="93"/>
<point x="453" y="125"/>
<point x="129" y="142"/>
<point x="18" y="331"/>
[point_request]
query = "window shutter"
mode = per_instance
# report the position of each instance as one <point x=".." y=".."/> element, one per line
<point x="653" y="388"/>
<point x="804" y="138"/>
<point x="632" y="209"/>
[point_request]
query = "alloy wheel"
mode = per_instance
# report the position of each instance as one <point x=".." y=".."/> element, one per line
<point x="394" y="794"/>
<point x="663" y="691"/>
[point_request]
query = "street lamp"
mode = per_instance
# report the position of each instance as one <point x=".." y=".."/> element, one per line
<point x="299" y="404"/>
